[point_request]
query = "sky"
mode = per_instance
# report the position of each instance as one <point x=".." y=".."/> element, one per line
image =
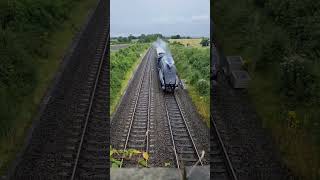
<point x="168" y="17"/>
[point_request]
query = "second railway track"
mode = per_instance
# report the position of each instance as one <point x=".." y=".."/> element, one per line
<point x="220" y="164"/>
<point x="138" y="126"/>
<point x="86" y="155"/>
<point x="184" y="148"/>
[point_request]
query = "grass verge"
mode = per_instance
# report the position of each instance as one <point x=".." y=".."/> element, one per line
<point x="59" y="41"/>
<point x="123" y="65"/>
<point x="202" y="104"/>
<point x="193" y="65"/>
<point x="297" y="145"/>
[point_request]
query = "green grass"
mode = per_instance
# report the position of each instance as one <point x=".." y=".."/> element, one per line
<point x="202" y="103"/>
<point x="11" y="142"/>
<point x="123" y="64"/>
<point x="193" y="65"/>
<point x="299" y="151"/>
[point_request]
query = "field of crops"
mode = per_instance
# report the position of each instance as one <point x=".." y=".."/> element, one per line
<point x="117" y="47"/>
<point x="193" y="65"/>
<point x="190" y="42"/>
<point x="123" y="63"/>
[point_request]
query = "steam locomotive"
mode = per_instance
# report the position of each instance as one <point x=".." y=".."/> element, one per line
<point x="167" y="71"/>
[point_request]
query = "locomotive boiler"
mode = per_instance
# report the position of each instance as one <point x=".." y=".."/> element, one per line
<point x="167" y="73"/>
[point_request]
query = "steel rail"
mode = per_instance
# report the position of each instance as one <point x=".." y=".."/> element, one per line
<point x="172" y="139"/>
<point x="90" y="107"/>
<point x="225" y="154"/>
<point x="149" y="109"/>
<point x="188" y="131"/>
<point x="135" y="106"/>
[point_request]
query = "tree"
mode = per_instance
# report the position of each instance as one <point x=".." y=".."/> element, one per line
<point x="205" y="42"/>
<point x="176" y="37"/>
<point x="130" y="37"/>
<point x="123" y="39"/>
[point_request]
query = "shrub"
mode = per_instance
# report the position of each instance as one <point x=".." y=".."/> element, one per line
<point x="297" y="79"/>
<point x="194" y="78"/>
<point x="121" y="62"/>
<point x="193" y="64"/>
<point x="203" y="87"/>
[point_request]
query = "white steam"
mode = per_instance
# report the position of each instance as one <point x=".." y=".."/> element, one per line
<point x="163" y="45"/>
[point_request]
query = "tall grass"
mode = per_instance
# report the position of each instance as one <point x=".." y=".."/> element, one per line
<point x="123" y="63"/>
<point x="193" y="65"/>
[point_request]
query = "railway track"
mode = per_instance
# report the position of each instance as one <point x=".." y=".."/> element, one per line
<point x="220" y="165"/>
<point x="138" y="125"/>
<point x="144" y="104"/>
<point x="86" y="155"/>
<point x="184" y="148"/>
<point x="70" y="137"/>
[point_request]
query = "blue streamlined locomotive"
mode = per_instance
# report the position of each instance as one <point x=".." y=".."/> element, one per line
<point x="167" y="71"/>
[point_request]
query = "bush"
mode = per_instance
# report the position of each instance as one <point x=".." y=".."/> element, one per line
<point x="194" y="78"/>
<point x="25" y="26"/>
<point x="205" y="42"/>
<point x="193" y="64"/>
<point x="203" y="87"/>
<point x="297" y="79"/>
<point x="121" y="62"/>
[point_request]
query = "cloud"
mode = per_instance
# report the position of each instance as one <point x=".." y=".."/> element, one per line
<point x="180" y="19"/>
<point x="189" y="17"/>
<point x="200" y="18"/>
<point x="170" y="20"/>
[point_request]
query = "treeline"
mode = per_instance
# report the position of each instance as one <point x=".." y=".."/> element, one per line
<point x="143" y="38"/>
<point x="298" y="47"/>
<point x="25" y="26"/>
<point x="300" y="20"/>
<point x="180" y="37"/>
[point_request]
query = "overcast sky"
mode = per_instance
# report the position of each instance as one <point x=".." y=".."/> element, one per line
<point x="168" y="17"/>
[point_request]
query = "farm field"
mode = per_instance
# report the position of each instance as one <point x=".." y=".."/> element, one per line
<point x="117" y="47"/>
<point x="191" y="42"/>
